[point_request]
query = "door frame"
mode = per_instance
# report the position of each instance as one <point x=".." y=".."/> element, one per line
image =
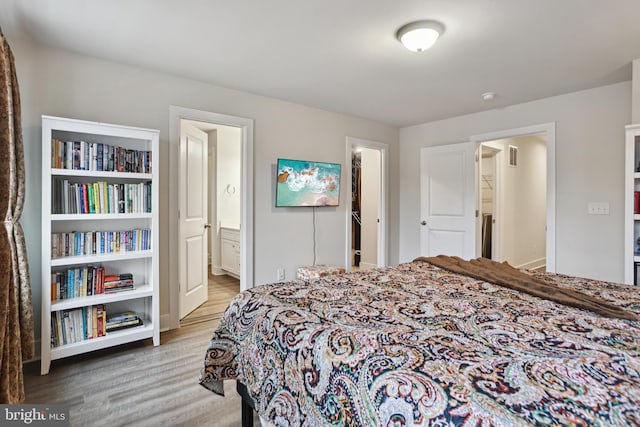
<point x="549" y="130"/>
<point x="176" y="113"/>
<point x="383" y="149"/>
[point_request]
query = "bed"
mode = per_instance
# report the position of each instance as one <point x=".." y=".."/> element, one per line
<point x="418" y="344"/>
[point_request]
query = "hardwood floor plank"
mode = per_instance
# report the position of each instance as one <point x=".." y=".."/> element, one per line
<point x="221" y="290"/>
<point x="139" y="385"/>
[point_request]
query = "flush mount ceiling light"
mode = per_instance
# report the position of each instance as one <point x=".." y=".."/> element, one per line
<point x="488" y="96"/>
<point x="420" y="35"/>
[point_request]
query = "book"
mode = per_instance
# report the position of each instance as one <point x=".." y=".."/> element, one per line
<point x="100" y="319"/>
<point x="76" y="155"/>
<point x="54" y="293"/>
<point x="124" y="325"/>
<point x="94" y="321"/>
<point x="96" y="197"/>
<point x="124" y="316"/>
<point x="99" y="157"/>
<point x="122" y="320"/>
<point x="90" y="199"/>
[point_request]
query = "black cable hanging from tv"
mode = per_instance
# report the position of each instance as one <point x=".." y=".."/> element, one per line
<point x="314" y="235"/>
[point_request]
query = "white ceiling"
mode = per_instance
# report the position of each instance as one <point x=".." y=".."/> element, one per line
<point x="342" y="55"/>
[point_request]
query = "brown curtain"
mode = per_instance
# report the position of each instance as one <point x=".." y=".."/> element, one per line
<point x="16" y="311"/>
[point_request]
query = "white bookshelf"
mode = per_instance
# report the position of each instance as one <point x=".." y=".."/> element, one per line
<point x="143" y="264"/>
<point x="631" y="219"/>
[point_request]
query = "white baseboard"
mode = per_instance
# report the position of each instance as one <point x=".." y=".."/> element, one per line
<point x="165" y="322"/>
<point x="367" y="265"/>
<point x="537" y="263"/>
<point x="218" y="271"/>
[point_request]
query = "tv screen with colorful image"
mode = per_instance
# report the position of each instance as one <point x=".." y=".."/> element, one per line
<point x="306" y="183"/>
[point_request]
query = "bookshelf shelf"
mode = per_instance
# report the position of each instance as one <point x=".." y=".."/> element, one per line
<point x="99" y="217"/>
<point x="86" y="259"/>
<point x="102" y="174"/>
<point x="147" y="330"/>
<point x="65" y="142"/>
<point x="631" y="218"/>
<point x="141" y="291"/>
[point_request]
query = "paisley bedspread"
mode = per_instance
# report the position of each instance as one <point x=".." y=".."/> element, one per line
<point x="415" y="345"/>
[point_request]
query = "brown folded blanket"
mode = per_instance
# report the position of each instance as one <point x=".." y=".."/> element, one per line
<point x="505" y="275"/>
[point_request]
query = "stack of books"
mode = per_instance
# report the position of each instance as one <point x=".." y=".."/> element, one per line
<point x="127" y="319"/>
<point x="118" y="283"/>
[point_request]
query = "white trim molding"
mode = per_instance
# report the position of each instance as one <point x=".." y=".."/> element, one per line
<point x="177" y="113"/>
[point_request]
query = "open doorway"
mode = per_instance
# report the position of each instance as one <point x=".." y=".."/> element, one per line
<point x="490" y="156"/>
<point x="513" y="227"/>
<point x="366" y="224"/>
<point x="515" y="196"/>
<point x="222" y="199"/>
<point x="228" y="200"/>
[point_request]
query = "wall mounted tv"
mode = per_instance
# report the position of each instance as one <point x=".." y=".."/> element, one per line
<point x="306" y="183"/>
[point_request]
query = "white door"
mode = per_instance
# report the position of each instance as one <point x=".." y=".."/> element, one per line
<point x="193" y="218"/>
<point x="447" y="200"/>
<point x="370" y="190"/>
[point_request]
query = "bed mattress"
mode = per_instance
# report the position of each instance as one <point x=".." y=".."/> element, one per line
<point x="416" y="345"/>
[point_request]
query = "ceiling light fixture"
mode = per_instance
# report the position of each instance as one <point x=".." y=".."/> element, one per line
<point x="488" y="96"/>
<point x="420" y="35"/>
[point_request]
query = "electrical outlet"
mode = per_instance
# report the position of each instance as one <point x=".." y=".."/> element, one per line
<point x="280" y="274"/>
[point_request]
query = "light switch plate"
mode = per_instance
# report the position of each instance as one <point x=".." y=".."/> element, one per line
<point x="598" y="208"/>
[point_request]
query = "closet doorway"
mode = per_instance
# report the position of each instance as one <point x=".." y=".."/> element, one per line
<point x="512" y="200"/>
<point x="488" y="191"/>
<point x="366" y="207"/>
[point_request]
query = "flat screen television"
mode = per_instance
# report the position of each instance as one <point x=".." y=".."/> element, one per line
<point x="306" y="183"/>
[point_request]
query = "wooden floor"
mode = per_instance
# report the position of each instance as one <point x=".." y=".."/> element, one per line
<point x="221" y="290"/>
<point x="139" y="385"/>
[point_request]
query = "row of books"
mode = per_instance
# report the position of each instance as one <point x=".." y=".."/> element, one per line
<point x="76" y="243"/>
<point x="99" y="197"/>
<point x="85" y="281"/>
<point x="93" y="156"/>
<point x="78" y="324"/>
<point x="85" y="323"/>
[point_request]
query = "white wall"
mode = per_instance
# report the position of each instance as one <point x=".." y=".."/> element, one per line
<point x="635" y="97"/>
<point x="64" y="84"/>
<point x="228" y="175"/>
<point x="370" y="204"/>
<point x="214" y="246"/>
<point x="525" y="202"/>
<point x="589" y="161"/>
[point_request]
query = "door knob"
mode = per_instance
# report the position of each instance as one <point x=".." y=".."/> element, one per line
<point x="207" y="226"/>
<point x="423" y="222"/>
